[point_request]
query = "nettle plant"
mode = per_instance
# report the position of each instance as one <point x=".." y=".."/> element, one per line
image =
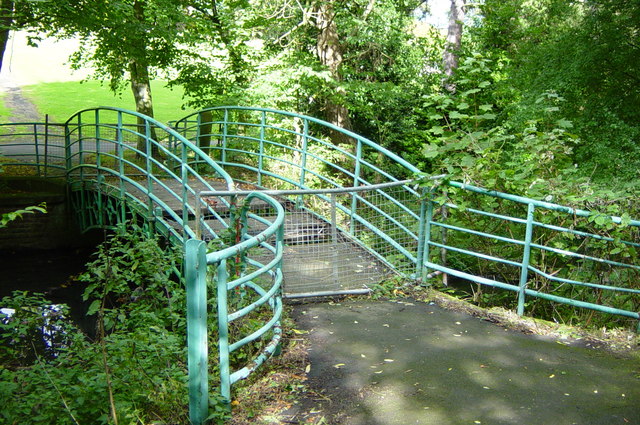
<point x="131" y="371"/>
<point x="465" y="140"/>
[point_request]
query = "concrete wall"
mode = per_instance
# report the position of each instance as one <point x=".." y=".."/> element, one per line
<point x="55" y="229"/>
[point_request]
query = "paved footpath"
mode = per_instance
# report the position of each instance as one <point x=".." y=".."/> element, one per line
<point x="405" y="362"/>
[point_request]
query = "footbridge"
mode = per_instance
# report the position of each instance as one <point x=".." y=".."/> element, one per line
<point x="268" y="206"/>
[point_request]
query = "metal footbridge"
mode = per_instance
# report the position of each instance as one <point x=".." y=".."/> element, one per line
<point x="267" y="206"/>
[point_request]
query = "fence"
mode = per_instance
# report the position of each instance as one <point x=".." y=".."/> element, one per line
<point x="39" y="146"/>
<point x="534" y="248"/>
<point x="537" y="249"/>
<point x="280" y="150"/>
<point x="331" y="249"/>
<point x="248" y="278"/>
<point x="118" y="167"/>
<point x="284" y="151"/>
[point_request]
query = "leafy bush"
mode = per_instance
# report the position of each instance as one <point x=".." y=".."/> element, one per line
<point x="133" y="372"/>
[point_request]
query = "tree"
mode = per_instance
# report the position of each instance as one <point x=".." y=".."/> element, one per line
<point x="123" y="40"/>
<point x="454" y="39"/>
<point x="6" y="23"/>
<point x="586" y="52"/>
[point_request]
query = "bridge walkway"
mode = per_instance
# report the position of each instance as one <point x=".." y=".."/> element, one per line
<point x="405" y="362"/>
<point x="319" y="259"/>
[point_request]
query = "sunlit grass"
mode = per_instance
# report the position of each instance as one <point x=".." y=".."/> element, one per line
<point x="60" y="100"/>
<point x="4" y="111"/>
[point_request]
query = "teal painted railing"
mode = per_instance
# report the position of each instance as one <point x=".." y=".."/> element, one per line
<point x="38" y="145"/>
<point x="564" y="253"/>
<point x="536" y="249"/>
<point x="106" y="155"/>
<point x="239" y="271"/>
<point x="102" y="152"/>
<point x="281" y="150"/>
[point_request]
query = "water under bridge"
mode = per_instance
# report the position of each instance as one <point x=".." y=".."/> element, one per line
<point x="266" y="206"/>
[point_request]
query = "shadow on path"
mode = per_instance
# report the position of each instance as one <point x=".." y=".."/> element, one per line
<point x="402" y="362"/>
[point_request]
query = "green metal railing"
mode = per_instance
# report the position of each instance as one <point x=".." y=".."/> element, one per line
<point x="37" y="145"/>
<point x="563" y="251"/>
<point x="237" y="272"/>
<point x="118" y="167"/>
<point x="118" y="154"/>
<point x="280" y="150"/>
<point x="411" y="231"/>
<point x="538" y="250"/>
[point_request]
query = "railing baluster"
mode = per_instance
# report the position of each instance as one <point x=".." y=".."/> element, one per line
<point x="524" y="271"/>
<point x="356" y="183"/>
<point x="197" y="334"/>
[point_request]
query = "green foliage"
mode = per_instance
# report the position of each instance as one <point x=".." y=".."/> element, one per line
<point x="14" y="215"/>
<point x="138" y="356"/>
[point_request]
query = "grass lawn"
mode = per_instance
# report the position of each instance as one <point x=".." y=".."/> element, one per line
<point x="62" y="99"/>
<point x="4" y="111"/>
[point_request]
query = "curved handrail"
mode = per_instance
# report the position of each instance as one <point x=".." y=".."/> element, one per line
<point x="283" y="150"/>
<point x="270" y="271"/>
<point x="112" y="143"/>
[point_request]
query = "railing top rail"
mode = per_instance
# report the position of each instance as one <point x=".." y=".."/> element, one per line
<point x="203" y="156"/>
<point x="535" y="203"/>
<point x="349" y="133"/>
<point x="313" y="191"/>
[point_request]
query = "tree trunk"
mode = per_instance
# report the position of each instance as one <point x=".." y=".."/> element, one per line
<point x="454" y="40"/>
<point x="141" y="88"/>
<point x="6" y="22"/>
<point x="141" y="85"/>
<point x="204" y="131"/>
<point x="329" y="53"/>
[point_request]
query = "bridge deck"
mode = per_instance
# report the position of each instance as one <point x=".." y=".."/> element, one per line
<point x="318" y="260"/>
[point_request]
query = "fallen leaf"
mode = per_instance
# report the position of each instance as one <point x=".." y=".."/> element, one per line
<point x="338" y="366"/>
<point x="307" y="369"/>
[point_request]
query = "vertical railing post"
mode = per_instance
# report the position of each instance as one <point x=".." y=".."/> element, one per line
<point x="334" y="237"/>
<point x="223" y="330"/>
<point x="148" y="164"/>
<point x="424" y="232"/>
<point x="67" y="148"/>
<point x="303" y="161"/>
<point x="225" y="125"/>
<point x="96" y="135"/>
<point x="121" y="167"/>
<point x="46" y="144"/>
<point x="263" y="120"/>
<point x="35" y="147"/>
<point x="356" y="183"/>
<point x="427" y="235"/>
<point x="198" y="363"/>
<point x="524" y="270"/>
<point x="198" y="129"/>
<point x="80" y="145"/>
<point x="184" y="177"/>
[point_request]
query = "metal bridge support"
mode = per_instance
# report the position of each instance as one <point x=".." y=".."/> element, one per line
<point x="198" y="363"/>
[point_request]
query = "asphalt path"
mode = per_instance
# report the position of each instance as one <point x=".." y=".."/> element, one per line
<point x="407" y="362"/>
